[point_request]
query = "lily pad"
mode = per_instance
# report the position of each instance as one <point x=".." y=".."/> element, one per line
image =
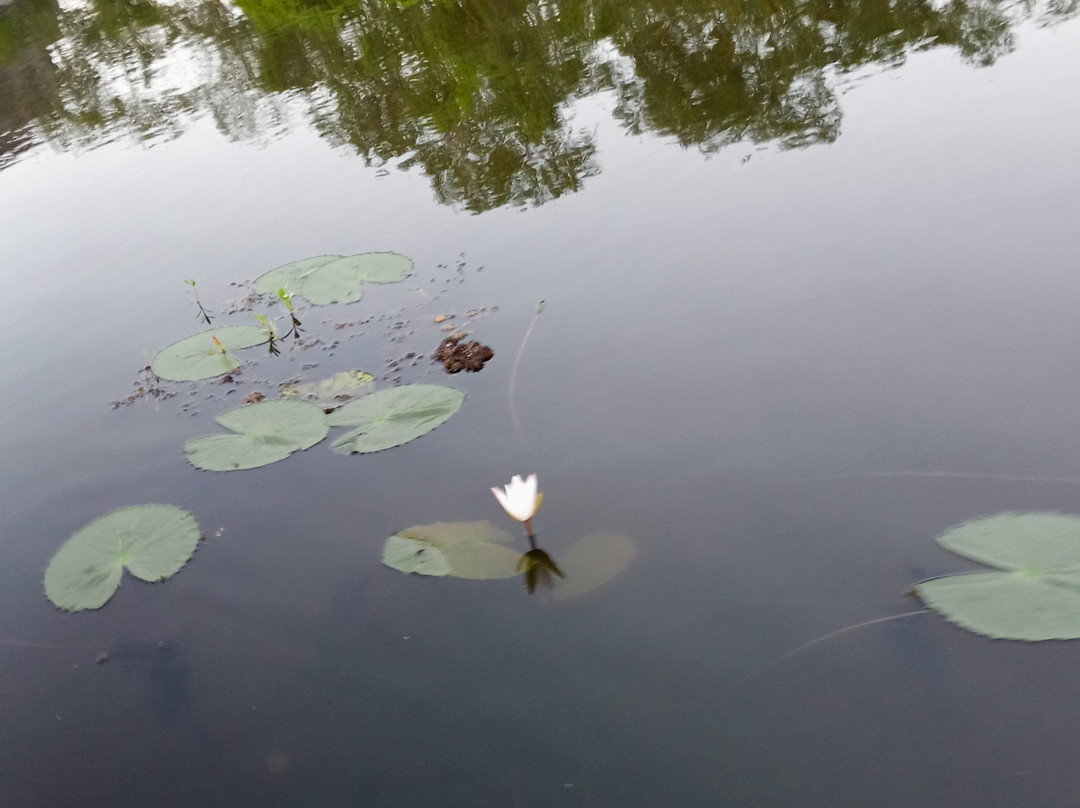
<point x="268" y="431"/>
<point x="333" y="392"/>
<point x="290" y="275"/>
<point x="475" y="550"/>
<point x="1035" y="595"/>
<point x="199" y="357"/>
<point x="591" y="563"/>
<point x="335" y="278"/>
<point x="392" y="417"/>
<point x="152" y="541"/>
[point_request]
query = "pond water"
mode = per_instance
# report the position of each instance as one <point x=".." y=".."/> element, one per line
<point x="810" y="286"/>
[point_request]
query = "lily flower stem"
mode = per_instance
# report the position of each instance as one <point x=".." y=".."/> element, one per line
<point x="532" y="536"/>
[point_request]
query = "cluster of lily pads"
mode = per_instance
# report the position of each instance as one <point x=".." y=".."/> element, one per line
<point x="155" y="541"/>
<point x="321" y="280"/>
<point x="1032" y="594"/>
<point x="268" y="431"/>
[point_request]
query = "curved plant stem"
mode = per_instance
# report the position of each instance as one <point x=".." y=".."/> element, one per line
<point x="806" y="646"/>
<point x="513" y="379"/>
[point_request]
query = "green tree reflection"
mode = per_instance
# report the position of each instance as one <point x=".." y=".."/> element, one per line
<point x="474" y="93"/>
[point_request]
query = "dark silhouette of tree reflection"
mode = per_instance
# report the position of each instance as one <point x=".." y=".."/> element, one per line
<point x="474" y="93"/>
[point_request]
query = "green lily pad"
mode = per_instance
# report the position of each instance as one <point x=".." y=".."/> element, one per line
<point x="474" y="550"/>
<point x="152" y="541"/>
<point x="268" y="431"/>
<point x="199" y="357"/>
<point x="335" y="278"/>
<point x="333" y="392"/>
<point x="1035" y="596"/>
<point x="591" y="563"/>
<point x="392" y="417"/>
<point x="290" y="275"/>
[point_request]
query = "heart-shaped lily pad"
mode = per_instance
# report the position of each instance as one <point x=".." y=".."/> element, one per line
<point x="335" y="278"/>
<point x="1035" y="595"/>
<point x="476" y="550"/>
<point x="199" y="357"/>
<point x="392" y="417"/>
<point x="152" y="541"/>
<point x="268" y="431"/>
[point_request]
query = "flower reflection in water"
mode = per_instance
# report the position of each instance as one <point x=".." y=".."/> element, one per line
<point x="539" y="568"/>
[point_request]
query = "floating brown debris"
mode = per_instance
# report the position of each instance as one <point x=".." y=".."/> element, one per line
<point x="457" y="356"/>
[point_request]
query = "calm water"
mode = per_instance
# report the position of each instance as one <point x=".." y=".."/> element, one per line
<point x="811" y="288"/>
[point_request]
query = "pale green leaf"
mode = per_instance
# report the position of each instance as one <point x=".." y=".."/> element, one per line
<point x="392" y="417"/>
<point x="268" y="431"/>
<point x="152" y="541"/>
<point x="1035" y="597"/>
<point x="290" y="276"/>
<point x="1018" y="541"/>
<point x="1008" y="605"/>
<point x="234" y="452"/>
<point x="335" y="278"/>
<point x="335" y="282"/>
<point x="199" y="357"/>
<point x="380" y="267"/>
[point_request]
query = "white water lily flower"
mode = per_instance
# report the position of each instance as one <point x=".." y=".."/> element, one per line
<point x="520" y="498"/>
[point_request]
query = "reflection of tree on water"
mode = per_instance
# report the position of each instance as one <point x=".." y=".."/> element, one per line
<point x="27" y="83"/>
<point x="472" y="92"/>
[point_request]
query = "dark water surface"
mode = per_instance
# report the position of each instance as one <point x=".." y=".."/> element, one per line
<point x="811" y="288"/>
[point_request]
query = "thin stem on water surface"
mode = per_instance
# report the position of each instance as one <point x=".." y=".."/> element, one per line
<point x="513" y="380"/>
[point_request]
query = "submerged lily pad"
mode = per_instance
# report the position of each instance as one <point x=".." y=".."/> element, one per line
<point x="199" y="357"/>
<point x="333" y="392"/>
<point x="476" y="550"/>
<point x="591" y="563"/>
<point x="335" y="278"/>
<point x="1035" y="596"/>
<point x="392" y="417"/>
<point x="268" y="431"/>
<point x="152" y="541"/>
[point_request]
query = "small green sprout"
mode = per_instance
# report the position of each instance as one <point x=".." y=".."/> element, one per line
<point x="202" y="315"/>
<point x="270" y="327"/>
<point x="286" y="297"/>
